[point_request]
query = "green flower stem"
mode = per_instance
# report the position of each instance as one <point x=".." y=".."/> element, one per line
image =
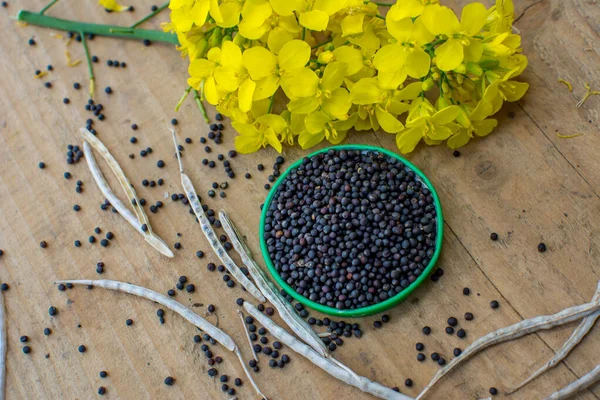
<point x="182" y="99"/>
<point x="151" y="15"/>
<point x="271" y="102"/>
<point x="382" y="4"/>
<point x="201" y="106"/>
<point x="89" y="63"/>
<point x="380" y="17"/>
<point x="322" y="44"/>
<point x="53" y="2"/>
<point x="97" y="29"/>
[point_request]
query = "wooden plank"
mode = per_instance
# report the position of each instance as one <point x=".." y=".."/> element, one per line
<point x="480" y="192"/>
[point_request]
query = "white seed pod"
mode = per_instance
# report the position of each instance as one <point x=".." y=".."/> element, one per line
<point x="326" y="364"/>
<point x="210" y="234"/>
<point x="220" y="336"/>
<point x="152" y="238"/>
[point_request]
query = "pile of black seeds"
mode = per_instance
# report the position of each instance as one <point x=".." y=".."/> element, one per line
<point x="349" y="229"/>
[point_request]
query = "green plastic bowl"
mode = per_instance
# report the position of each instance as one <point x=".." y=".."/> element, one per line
<point x="376" y="308"/>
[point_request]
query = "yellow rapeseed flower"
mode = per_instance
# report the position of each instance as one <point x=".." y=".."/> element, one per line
<point x="331" y="66"/>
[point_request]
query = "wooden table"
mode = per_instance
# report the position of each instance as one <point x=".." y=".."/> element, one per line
<point x="523" y="182"/>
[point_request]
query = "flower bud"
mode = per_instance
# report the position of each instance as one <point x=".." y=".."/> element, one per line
<point x="461" y="69"/>
<point x="489" y="64"/>
<point x="427" y="84"/>
<point x="445" y="87"/>
<point x="215" y="38"/>
<point x="325" y="57"/>
<point x="474" y="68"/>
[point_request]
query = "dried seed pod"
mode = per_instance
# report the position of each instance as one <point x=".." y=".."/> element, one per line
<point x="577" y="336"/>
<point x="3" y="347"/>
<point x="575" y="387"/>
<point x="220" y="336"/>
<point x="286" y="310"/>
<point x="153" y="239"/>
<point x="516" y="331"/>
<point x="327" y="364"/>
<point x="212" y="238"/>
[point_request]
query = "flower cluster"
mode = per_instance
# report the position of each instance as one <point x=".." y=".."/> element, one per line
<point x="337" y="65"/>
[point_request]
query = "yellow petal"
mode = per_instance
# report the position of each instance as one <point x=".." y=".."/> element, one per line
<point x="390" y="80"/>
<point x="277" y="38"/>
<point x="391" y="57"/>
<point x="365" y="91"/>
<point x="231" y="55"/>
<point x="300" y="83"/>
<point x="303" y="105"/>
<point x="259" y="62"/>
<point x="473" y="51"/>
<point x="294" y="54"/>
<point x="352" y="24"/>
<point x="420" y="33"/>
<point x="410" y="92"/>
<point x="387" y="121"/>
<point x="473" y="17"/>
<point x="481" y="111"/>
<point x="408" y="139"/>
<point x="214" y="55"/>
<point x="249" y="139"/>
<point x="513" y="90"/>
<point x="255" y="12"/>
<point x="215" y="11"/>
<point x="400" y="29"/>
<point x="439" y="133"/>
<point x="286" y="7"/>
<point x="333" y="76"/>
<point x="276" y="122"/>
<point x="338" y="104"/>
<point x="346" y="124"/>
<point x="315" y="122"/>
<point x="417" y="63"/>
<point x="112" y="5"/>
<point x="307" y="140"/>
<point x="245" y="94"/>
<point x="351" y="57"/>
<point x="449" y="55"/>
<point x="226" y="78"/>
<point x="315" y="20"/>
<point x="200" y="12"/>
<point x="445" y="116"/>
<point x="440" y="20"/>
<point x="337" y="138"/>
<point x="459" y="139"/>
<point x="404" y="9"/>
<point x="211" y="93"/>
<point x="329" y="6"/>
<point x="290" y="24"/>
<point x="200" y="68"/>
<point x="230" y="13"/>
<point x="253" y="32"/>
<point x="398" y="107"/>
<point x="485" y="127"/>
<point x="363" y="125"/>
<point x="246" y="144"/>
<point x="260" y="107"/>
<point x="266" y="87"/>
<point x="273" y="140"/>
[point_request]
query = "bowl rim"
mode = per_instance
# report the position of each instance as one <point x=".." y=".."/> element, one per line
<point x="375" y="308"/>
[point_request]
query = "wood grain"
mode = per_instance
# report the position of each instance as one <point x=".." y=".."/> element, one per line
<point x="522" y="182"/>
